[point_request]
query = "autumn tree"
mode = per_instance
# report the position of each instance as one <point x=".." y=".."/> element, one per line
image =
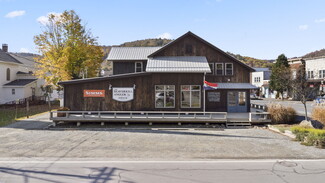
<point x="281" y="75"/>
<point x="69" y="51"/>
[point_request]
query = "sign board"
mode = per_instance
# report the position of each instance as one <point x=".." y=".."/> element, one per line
<point x="94" y="93"/>
<point x="214" y="96"/>
<point x="123" y="94"/>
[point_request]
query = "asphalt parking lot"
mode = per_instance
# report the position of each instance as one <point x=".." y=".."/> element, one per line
<point x="148" y="143"/>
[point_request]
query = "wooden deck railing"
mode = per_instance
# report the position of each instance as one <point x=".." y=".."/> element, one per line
<point x="136" y="116"/>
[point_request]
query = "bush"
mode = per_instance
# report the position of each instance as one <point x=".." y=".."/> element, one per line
<point x="309" y="136"/>
<point x="281" y="114"/>
<point x="319" y="114"/>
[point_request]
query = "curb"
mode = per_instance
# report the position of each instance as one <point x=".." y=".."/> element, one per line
<point x="287" y="133"/>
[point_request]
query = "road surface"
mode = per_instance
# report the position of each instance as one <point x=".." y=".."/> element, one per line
<point x="99" y="171"/>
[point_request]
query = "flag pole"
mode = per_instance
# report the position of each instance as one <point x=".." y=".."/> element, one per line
<point x="203" y="94"/>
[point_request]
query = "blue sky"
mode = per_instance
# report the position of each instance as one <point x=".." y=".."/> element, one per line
<point x="257" y="28"/>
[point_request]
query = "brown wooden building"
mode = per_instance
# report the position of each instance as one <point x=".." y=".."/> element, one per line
<point x="168" y="78"/>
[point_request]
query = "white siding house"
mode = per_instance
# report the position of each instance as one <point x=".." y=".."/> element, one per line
<point x="261" y="78"/>
<point x="315" y="71"/>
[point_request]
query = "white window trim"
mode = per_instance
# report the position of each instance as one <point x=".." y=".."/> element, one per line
<point x="212" y="71"/>
<point x="165" y="97"/>
<point x="135" y="66"/>
<point x="232" y="69"/>
<point x="191" y="97"/>
<point x="216" y="69"/>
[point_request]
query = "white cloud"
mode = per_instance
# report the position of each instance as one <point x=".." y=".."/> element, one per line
<point x="45" y="20"/>
<point x="14" y="14"/>
<point x="165" y="35"/>
<point x="320" y="20"/>
<point x="303" y="27"/>
<point x="24" y="50"/>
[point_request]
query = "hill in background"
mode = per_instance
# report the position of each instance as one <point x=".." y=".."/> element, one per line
<point x="317" y="53"/>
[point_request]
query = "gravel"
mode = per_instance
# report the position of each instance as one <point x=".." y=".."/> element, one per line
<point x="36" y="141"/>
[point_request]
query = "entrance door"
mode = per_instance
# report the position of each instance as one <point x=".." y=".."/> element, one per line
<point x="236" y="101"/>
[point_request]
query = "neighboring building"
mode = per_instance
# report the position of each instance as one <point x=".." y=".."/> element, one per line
<point x="315" y="71"/>
<point x="17" y="80"/>
<point x="168" y="78"/>
<point x="261" y="78"/>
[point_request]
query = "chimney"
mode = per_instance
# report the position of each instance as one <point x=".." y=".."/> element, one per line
<point x="5" y="47"/>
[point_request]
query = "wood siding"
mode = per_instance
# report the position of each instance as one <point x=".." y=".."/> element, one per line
<point x="144" y="94"/>
<point x="124" y="67"/>
<point x="191" y="46"/>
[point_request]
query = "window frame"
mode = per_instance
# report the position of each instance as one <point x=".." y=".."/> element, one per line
<point x="164" y="91"/>
<point x="200" y="97"/>
<point x="216" y="69"/>
<point x="232" y="69"/>
<point x="212" y="68"/>
<point x="135" y="67"/>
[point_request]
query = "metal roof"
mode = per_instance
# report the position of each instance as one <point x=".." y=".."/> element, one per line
<point x="131" y="53"/>
<point x="196" y="64"/>
<point x="236" y="86"/>
<point x="20" y="82"/>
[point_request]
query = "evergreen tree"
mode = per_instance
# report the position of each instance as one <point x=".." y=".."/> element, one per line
<point x="281" y="75"/>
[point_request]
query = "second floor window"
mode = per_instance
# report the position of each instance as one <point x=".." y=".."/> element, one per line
<point x="310" y="74"/>
<point x="138" y="67"/>
<point x="321" y="74"/>
<point x="211" y="68"/>
<point x="257" y="79"/>
<point x="229" y="69"/>
<point x="219" y="69"/>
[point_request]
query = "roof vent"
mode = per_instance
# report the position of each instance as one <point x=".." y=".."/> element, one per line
<point x="5" y="47"/>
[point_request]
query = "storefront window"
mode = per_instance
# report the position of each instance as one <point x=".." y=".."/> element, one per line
<point x="241" y="98"/>
<point x="165" y="96"/>
<point x="190" y="96"/>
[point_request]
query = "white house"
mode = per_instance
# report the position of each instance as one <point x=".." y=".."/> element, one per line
<point x="16" y="78"/>
<point x="315" y="71"/>
<point x="261" y="78"/>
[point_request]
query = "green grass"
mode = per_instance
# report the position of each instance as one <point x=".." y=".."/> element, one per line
<point x="8" y="114"/>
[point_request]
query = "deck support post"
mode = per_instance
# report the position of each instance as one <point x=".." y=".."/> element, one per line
<point x="78" y="124"/>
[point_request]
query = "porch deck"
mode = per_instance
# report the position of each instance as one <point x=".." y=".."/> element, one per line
<point x="159" y="117"/>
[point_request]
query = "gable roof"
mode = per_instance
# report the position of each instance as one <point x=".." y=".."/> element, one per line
<point x="184" y="64"/>
<point x="130" y="53"/>
<point x="189" y="33"/>
<point x="24" y="60"/>
<point x="6" y="57"/>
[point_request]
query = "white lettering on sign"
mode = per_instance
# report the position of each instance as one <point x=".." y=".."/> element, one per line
<point x="123" y="94"/>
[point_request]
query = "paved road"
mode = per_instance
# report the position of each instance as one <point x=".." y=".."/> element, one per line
<point x="297" y="105"/>
<point x="99" y="171"/>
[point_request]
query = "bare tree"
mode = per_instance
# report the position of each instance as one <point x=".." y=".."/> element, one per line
<point x="301" y="88"/>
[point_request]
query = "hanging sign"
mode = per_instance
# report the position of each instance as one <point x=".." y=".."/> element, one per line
<point x="94" y="93"/>
<point x="123" y="94"/>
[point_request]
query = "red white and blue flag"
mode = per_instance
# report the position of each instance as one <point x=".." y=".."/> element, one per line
<point x="210" y="86"/>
